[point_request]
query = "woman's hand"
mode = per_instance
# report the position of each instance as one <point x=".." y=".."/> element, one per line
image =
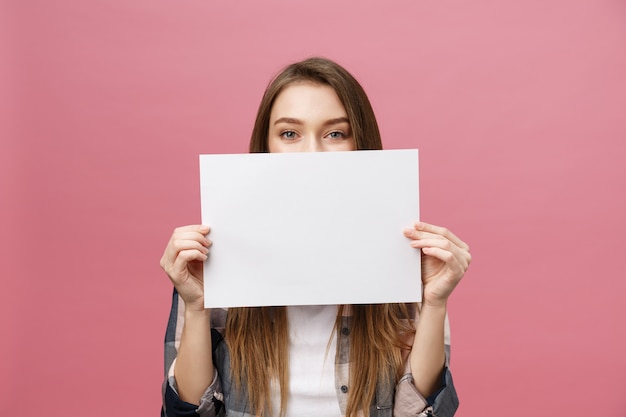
<point x="445" y="258"/>
<point x="182" y="260"/>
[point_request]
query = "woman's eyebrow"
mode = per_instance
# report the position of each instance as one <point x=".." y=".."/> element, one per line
<point x="291" y="120"/>
<point x="288" y="120"/>
<point x="336" y="121"/>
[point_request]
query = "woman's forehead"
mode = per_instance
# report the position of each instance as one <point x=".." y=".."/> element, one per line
<point x="307" y="101"/>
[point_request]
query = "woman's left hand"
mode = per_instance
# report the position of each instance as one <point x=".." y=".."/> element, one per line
<point x="445" y="258"/>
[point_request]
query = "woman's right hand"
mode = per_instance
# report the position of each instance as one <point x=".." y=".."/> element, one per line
<point x="182" y="260"/>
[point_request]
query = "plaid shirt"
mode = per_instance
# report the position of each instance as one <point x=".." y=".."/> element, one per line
<point x="221" y="399"/>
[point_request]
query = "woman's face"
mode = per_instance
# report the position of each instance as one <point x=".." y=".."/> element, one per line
<point x="309" y="117"/>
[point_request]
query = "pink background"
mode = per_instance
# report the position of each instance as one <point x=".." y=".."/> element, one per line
<point x="518" y="108"/>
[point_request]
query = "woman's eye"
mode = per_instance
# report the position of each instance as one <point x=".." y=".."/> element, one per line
<point x="336" y="135"/>
<point x="288" y="134"/>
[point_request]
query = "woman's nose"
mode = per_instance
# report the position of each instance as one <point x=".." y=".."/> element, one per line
<point x="312" y="144"/>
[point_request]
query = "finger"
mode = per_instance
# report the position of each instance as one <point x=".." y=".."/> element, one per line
<point x="442" y="231"/>
<point x="462" y="256"/>
<point x="180" y="245"/>
<point x="192" y="232"/>
<point x="438" y="243"/>
<point x="199" y="237"/>
<point x="411" y="233"/>
<point x="179" y="265"/>
<point x="174" y="248"/>
<point x="451" y="261"/>
<point x="200" y="228"/>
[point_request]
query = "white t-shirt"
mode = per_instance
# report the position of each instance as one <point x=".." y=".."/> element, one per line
<point x="311" y="363"/>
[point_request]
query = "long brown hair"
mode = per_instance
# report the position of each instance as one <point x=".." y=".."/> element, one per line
<point x="258" y="337"/>
<point x="325" y="72"/>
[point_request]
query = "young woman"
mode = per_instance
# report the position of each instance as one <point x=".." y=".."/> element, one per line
<point x="349" y="360"/>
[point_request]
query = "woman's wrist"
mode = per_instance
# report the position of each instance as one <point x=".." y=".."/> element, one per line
<point x="433" y="311"/>
<point x="192" y="314"/>
<point x="435" y="305"/>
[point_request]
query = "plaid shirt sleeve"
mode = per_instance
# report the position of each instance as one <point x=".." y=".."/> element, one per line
<point x="408" y="402"/>
<point x="211" y="403"/>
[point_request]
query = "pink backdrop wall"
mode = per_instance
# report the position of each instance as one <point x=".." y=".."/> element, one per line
<point x="518" y="109"/>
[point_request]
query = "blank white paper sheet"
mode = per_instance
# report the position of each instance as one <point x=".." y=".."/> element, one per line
<point x="310" y="228"/>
